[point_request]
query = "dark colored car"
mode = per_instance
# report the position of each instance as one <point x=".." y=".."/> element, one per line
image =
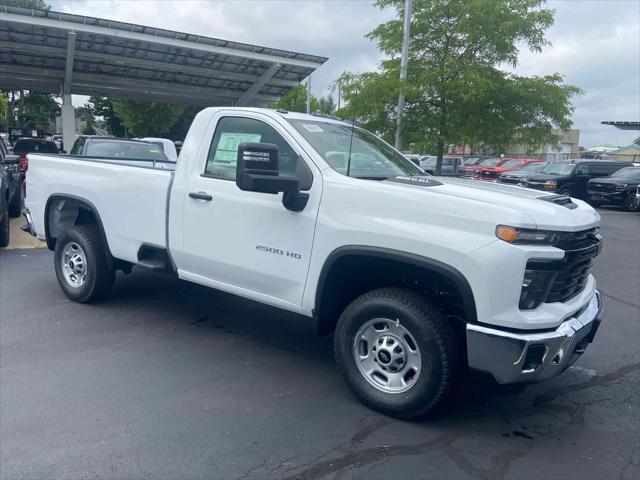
<point x="518" y="177"/>
<point x="24" y="146"/>
<point x="450" y="164"/>
<point x="118" y="148"/>
<point x="618" y="189"/>
<point x="571" y="178"/>
<point x="10" y="191"/>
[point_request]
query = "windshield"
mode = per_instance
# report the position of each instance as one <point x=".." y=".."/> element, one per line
<point x="558" y="168"/>
<point x="491" y="162"/>
<point x="428" y="161"/>
<point x="128" y="150"/>
<point x="28" y="146"/>
<point x="473" y="161"/>
<point x="628" y="173"/>
<point x="512" y="164"/>
<point x="533" y="167"/>
<point x="370" y="157"/>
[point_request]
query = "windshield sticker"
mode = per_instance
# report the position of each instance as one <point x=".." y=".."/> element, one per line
<point x="312" y="128"/>
<point x="227" y="151"/>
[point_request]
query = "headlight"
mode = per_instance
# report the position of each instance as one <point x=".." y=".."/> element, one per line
<point x="525" y="236"/>
<point x="621" y="188"/>
<point x="550" y="184"/>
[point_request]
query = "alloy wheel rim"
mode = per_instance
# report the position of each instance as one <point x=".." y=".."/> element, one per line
<point x="387" y="355"/>
<point x="74" y="265"/>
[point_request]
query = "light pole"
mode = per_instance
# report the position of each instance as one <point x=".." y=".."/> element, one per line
<point x="403" y="66"/>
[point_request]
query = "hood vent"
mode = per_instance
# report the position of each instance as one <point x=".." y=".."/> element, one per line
<point x="563" y="200"/>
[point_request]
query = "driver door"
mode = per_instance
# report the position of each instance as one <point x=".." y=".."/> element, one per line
<point x="247" y="242"/>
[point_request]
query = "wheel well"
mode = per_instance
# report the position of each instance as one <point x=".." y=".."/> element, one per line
<point x="347" y="276"/>
<point x="63" y="212"/>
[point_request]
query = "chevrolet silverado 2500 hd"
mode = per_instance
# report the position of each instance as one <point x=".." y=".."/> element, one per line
<point x="416" y="276"/>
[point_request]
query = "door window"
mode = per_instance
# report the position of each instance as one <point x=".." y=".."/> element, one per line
<point x="77" y="147"/>
<point x="232" y="131"/>
<point x="582" y="169"/>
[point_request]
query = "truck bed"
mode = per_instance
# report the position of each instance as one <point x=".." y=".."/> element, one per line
<point x="130" y="195"/>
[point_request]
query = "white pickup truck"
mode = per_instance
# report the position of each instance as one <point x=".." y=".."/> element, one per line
<point x="417" y="277"/>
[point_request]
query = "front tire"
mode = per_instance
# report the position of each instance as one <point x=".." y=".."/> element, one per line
<point x="632" y="203"/>
<point x="4" y="228"/>
<point x="396" y="351"/>
<point x="81" y="264"/>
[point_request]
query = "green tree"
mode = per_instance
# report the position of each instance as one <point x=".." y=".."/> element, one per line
<point x="326" y="105"/>
<point x="147" y="119"/>
<point x="37" y="110"/>
<point x="40" y="4"/>
<point x="4" y="110"/>
<point x="456" y="89"/>
<point x="637" y="141"/>
<point x="103" y="107"/>
<point x="295" y="100"/>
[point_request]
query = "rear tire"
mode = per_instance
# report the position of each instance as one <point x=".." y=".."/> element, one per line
<point x="82" y="268"/>
<point x="566" y="191"/>
<point x="15" y="207"/>
<point x="411" y="350"/>
<point x="4" y="228"/>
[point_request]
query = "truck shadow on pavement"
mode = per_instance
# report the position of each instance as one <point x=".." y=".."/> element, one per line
<point x="482" y="432"/>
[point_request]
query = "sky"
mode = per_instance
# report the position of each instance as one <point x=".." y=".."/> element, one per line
<point x="595" y="43"/>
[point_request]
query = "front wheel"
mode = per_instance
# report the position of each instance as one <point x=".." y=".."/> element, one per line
<point x="396" y="351"/>
<point x="81" y="264"/>
<point x="566" y="191"/>
<point x="632" y="203"/>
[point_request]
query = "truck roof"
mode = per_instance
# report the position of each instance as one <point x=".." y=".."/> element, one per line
<point x="280" y="113"/>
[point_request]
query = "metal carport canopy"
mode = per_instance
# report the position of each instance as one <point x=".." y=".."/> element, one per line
<point x="71" y="54"/>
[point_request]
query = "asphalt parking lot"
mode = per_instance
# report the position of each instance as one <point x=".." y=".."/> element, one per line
<point x="171" y="380"/>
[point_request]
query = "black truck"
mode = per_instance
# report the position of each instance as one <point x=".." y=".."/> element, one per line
<point x="618" y="189"/>
<point x="10" y="191"/>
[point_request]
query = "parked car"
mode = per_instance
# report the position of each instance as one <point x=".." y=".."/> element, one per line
<point x="492" y="173"/>
<point x="450" y="164"/>
<point x="10" y="191"/>
<point x="469" y="170"/>
<point x="414" y="158"/>
<point x="619" y="188"/>
<point x="25" y="146"/>
<point x="519" y="177"/>
<point x="167" y="146"/>
<point x="570" y="178"/>
<point x="120" y="149"/>
<point x="319" y="217"/>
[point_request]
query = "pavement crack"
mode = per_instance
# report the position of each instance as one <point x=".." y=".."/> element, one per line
<point x="594" y="381"/>
<point x="626" y="302"/>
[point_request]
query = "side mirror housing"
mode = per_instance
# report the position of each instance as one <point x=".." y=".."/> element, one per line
<point x="257" y="170"/>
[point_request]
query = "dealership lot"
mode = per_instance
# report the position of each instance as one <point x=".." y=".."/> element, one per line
<point x="170" y="380"/>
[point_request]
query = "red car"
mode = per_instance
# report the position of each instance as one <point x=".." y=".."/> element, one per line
<point x="493" y="172"/>
<point x="23" y="146"/>
<point x="472" y="170"/>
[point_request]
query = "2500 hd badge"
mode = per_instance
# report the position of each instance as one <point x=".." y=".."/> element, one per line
<point x="278" y="251"/>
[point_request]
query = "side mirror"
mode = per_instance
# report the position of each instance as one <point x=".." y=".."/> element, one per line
<point x="10" y="159"/>
<point x="257" y="170"/>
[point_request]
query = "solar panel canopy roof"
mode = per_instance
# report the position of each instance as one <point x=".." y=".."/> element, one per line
<point x="64" y="53"/>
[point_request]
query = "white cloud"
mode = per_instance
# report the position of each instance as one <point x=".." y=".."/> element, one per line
<point x="596" y="43"/>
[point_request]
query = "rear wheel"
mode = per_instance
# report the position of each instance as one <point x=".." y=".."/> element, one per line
<point x="566" y="191"/>
<point x="632" y="203"/>
<point x="15" y="207"/>
<point x="81" y="265"/>
<point x="396" y="351"/>
<point x="4" y="227"/>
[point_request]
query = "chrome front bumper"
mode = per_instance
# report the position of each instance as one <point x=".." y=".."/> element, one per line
<point x="514" y="357"/>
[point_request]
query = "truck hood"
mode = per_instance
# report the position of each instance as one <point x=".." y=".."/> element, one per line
<point x="538" y="206"/>
<point x="614" y="181"/>
<point x="543" y="177"/>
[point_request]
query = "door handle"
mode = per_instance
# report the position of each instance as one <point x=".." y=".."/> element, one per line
<point x="201" y="196"/>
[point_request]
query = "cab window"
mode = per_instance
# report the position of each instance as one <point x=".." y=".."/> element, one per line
<point x="582" y="169"/>
<point x="232" y="131"/>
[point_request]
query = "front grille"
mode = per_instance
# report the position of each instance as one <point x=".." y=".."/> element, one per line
<point x="514" y="180"/>
<point x="570" y="273"/>
<point x="536" y="185"/>
<point x="602" y="187"/>
<point x="489" y="174"/>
